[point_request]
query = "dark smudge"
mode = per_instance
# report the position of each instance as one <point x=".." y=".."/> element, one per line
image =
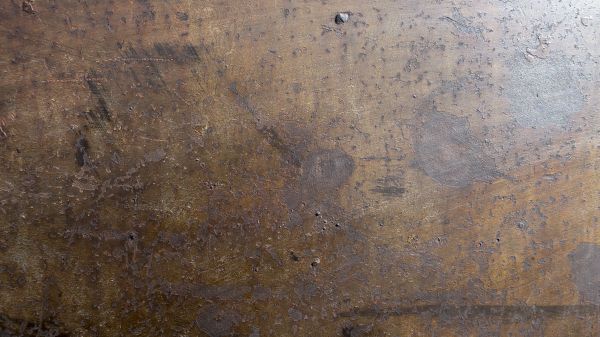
<point x="504" y="312"/>
<point x="389" y="191"/>
<point x="268" y="132"/>
<point x="182" y="16"/>
<point x="15" y="327"/>
<point x="323" y="172"/>
<point x="179" y="53"/>
<point x="447" y="151"/>
<point x="295" y="314"/>
<point x="390" y="186"/>
<point x="326" y="169"/>
<point x="217" y="322"/>
<point x="81" y="151"/>
<point x="155" y="156"/>
<point x="98" y="92"/>
<point x="356" y="330"/>
<point x="209" y="292"/>
<point x="585" y="268"/>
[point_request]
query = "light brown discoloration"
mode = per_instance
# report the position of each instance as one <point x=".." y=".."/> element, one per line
<point x="252" y="168"/>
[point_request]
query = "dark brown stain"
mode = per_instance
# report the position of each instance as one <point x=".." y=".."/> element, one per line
<point x="446" y="151"/>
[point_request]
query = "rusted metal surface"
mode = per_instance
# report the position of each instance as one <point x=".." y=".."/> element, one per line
<point x="261" y="168"/>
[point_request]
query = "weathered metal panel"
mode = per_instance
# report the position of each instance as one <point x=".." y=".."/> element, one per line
<point x="261" y="168"/>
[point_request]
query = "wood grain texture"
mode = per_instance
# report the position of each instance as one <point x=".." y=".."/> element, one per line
<point x="251" y="168"/>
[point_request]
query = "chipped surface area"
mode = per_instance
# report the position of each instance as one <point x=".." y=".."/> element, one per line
<point x="251" y="168"/>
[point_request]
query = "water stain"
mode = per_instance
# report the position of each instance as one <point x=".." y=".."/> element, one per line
<point x="447" y="151"/>
<point x="322" y="173"/>
<point x="586" y="271"/>
<point x="217" y="322"/>
<point x="543" y="92"/>
<point x="326" y="169"/>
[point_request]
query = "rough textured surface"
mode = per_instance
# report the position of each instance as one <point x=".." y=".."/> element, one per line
<point x="251" y="168"/>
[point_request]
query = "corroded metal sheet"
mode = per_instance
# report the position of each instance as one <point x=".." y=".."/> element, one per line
<point x="277" y="168"/>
